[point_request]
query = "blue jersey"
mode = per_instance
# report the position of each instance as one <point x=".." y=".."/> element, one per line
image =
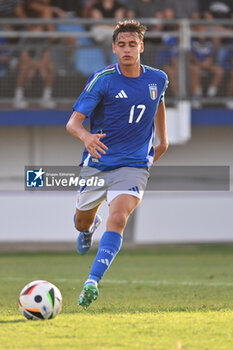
<point x="124" y="109"/>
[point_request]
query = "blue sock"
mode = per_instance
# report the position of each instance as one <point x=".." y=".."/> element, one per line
<point x="109" y="246"/>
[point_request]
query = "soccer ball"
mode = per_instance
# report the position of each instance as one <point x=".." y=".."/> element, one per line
<point x="40" y="300"/>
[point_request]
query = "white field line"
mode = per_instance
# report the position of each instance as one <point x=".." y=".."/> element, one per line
<point x="146" y="282"/>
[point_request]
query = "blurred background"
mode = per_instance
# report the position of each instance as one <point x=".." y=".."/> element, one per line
<point x="47" y="51"/>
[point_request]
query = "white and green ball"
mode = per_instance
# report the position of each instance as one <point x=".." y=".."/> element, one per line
<point x="40" y="300"/>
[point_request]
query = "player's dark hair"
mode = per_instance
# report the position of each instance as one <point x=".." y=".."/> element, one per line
<point x="129" y="25"/>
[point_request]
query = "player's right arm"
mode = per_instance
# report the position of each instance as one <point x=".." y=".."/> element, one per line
<point x="91" y="141"/>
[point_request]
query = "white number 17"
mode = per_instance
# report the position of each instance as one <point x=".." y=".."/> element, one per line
<point x="131" y="114"/>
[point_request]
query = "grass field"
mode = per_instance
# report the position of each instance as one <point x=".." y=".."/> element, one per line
<point x="161" y="298"/>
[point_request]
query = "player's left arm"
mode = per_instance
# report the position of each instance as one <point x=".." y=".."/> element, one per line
<point x="161" y="130"/>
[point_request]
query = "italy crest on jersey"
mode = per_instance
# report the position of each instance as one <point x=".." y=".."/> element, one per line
<point x="153" y="91"/>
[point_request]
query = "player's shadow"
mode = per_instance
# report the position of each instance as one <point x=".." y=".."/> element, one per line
<point x="12" y="321"/>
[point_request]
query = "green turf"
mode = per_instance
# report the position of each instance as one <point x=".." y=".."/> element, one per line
<point x="162" y="298"/>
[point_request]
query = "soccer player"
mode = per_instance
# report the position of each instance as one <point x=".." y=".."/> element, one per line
<point x="124" y="103"/>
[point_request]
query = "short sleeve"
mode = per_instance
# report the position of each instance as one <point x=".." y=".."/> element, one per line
<point x="91" y="95"/>
<point x="166" y="82"/>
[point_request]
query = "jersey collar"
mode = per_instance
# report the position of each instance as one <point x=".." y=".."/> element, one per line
<point x="119" y="70"/>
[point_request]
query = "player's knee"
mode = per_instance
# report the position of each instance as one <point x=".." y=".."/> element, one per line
<point x="82" y="225"/>
<point x="118" y="218"/>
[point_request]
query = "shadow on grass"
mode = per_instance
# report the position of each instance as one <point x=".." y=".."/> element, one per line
<point x="12" y="321"/>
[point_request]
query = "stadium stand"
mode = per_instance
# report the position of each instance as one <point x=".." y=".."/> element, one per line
<point x="78" y="46"/>
<point x="12" y="8"/>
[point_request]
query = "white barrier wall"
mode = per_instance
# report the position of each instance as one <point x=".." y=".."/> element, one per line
<point x="185" y="217"/>
<point x="179" y="123"/>
<point x="20" y="146"/>
<point x="161" y="217"/>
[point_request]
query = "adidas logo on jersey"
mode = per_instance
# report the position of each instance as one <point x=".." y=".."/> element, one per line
<point x="104" y="261"/>
<point x="121" y="94"/>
